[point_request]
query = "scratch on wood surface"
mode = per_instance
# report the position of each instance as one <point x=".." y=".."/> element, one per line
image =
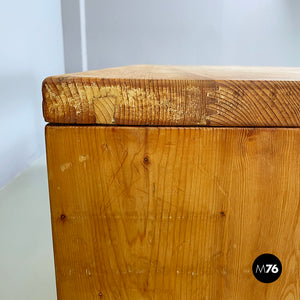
<point x="65" y="166"/>
<point x="83" y="158"/>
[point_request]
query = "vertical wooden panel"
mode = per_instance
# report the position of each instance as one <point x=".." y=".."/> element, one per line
<point x="173" y="213"/>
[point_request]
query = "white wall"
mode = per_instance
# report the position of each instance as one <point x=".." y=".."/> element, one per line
<point x="192" y="32"/>
<point x="31" y="49"/>
<point x="261" y="32"/>
<point x="71" y="34"/>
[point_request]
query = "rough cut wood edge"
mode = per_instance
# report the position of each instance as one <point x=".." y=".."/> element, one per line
<point x="184" y="96"/>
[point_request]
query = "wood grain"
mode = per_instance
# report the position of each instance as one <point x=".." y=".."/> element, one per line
<point x="173" y="213"/>
<point x="175" y="95"/>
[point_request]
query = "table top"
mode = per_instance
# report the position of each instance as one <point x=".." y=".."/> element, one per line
<point x="153" y="95"/>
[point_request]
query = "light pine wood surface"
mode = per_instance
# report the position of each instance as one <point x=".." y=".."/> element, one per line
<point x="175" y="95"/>
<point x="173" y="213"/>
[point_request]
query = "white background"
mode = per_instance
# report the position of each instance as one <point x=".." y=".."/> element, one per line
<point x="31" y="49"/>
<point x="192" y="32"/>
